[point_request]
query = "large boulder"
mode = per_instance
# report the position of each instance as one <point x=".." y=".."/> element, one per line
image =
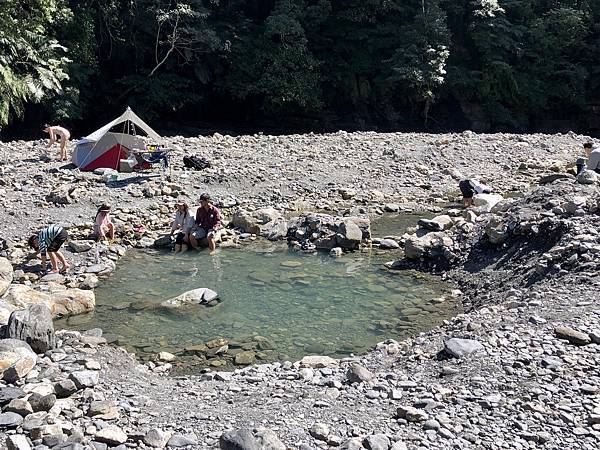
<point x="438" y="223"/>
<point x="430" y="244"/>
<point x="323" y="231"/>
<point x="16" y="359"/>
<point x="274" y="230"/>
<point x="200" y="296"/>
<point x="34" y="326"/>
<point x="72" y="302"/>
<point x="349" y="235"/>
<point x="496" y="231"/>
<point x="459" y="348"/>
<point x="486" y="202"/>
<point x="69" y="302"/>
<point x="251" y="221"/>
<point x="6" y="275"/>
<point x="587" y="177"/>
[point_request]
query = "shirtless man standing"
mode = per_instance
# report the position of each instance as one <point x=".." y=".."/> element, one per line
<point x="63" y="135"/>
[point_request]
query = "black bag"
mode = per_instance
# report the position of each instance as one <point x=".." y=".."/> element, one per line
<point x="195" y="162"/>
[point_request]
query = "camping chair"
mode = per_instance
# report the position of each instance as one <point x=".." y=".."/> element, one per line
<point x="147" y="159"/>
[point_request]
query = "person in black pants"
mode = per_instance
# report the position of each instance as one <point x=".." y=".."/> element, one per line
<point x="469" y="188"/>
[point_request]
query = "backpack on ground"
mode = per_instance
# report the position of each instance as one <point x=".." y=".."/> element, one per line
<point x="196" y="162"/>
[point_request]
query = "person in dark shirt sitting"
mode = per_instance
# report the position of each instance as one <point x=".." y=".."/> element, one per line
<point x="208" y="222"/>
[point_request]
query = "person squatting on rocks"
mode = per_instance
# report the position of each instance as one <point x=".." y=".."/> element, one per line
<point x="208" y="223"/>
<point x="592" y="153"/>
<point x="103" y="226"/>
<point x="63" y="135"/>
<point x="48" y="242"/>
<point x="470" y="187"/>
<point x="185" y="223"/>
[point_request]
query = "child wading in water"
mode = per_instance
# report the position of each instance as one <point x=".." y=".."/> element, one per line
<point x="103" y="227"/>
<point x="48" y="242"/>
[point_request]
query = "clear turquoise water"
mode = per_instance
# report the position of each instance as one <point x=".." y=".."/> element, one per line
<point x="303" y="304"/>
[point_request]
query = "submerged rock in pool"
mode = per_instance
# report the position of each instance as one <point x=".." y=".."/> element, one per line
<point x="198" y="296"/>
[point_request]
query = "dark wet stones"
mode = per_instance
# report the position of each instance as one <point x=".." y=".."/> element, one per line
<point x="41" y="402"/>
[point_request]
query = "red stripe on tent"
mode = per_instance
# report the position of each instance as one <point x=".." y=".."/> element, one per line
<point x="109" y="159"/>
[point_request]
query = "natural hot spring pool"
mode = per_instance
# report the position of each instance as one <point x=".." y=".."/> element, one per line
<point x="276" y="303"/>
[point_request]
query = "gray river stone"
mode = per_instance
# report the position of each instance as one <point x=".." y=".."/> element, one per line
<point x="377" y="442"/>
<point x="156" y="438"/>
<point x="459" y="348"/>
<point x="389" y="244"/>
<point x="17" y="442"/>
<point x="193" y="297"/>
<point x="430" y="225"/>
<point x="10" y="420"/>
<point x="84" y="378"/>
<point x="34" y="326"/>
<point x="111" y="435"/>
<point x="358" y="374"/>
<point x="246" y="439"/>
<point x="41" y="402"/>
<point x="9" y="393"/>
<point x="179" y="440"/>
<point x="573" y="336"/>
<point x="65" y="388"/>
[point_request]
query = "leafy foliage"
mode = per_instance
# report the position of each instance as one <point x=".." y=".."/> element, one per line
<point x="32" y="63"/>
<point x="359" y="63"/>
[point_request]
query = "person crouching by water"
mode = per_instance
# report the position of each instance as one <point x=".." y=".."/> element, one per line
<point x="103" y="226"/>
<point x="208" y="222"/>
<point x="63" y="135"/>
<point x="184" y="222"/>
<point x="470" y="187"/>
<point x="48" y="242"/>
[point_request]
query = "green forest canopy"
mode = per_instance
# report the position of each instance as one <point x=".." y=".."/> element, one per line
<point x="319" y="64"/>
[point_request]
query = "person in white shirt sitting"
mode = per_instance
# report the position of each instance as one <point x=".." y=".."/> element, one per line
<point x="184" y="222"/>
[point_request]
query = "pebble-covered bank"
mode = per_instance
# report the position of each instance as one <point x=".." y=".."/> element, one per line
<point x="518" y="371"/>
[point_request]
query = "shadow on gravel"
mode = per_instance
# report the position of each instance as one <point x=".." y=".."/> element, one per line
<point x="138" y="179"/>
<point x="521" y="250"/>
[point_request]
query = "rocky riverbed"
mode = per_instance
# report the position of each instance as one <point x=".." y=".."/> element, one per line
<point x="518" y="371"/>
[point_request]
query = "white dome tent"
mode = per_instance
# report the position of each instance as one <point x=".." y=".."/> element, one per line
<point x="105" y="148"/>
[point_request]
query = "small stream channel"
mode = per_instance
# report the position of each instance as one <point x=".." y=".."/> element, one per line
<point x="279" y="304"/>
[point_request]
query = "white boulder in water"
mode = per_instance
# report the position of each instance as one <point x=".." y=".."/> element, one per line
<point x="194" y="297"/>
